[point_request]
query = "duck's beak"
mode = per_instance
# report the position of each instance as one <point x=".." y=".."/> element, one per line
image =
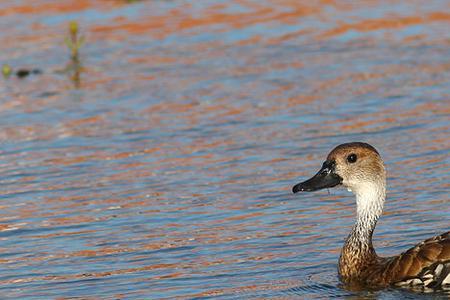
<point x="325" y="178"/>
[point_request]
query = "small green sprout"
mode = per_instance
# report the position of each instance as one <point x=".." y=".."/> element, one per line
<point x="6" y="71"/>
<point x="74" y="41"/>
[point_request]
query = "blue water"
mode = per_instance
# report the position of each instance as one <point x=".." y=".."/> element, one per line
<point x="166" y="173"/>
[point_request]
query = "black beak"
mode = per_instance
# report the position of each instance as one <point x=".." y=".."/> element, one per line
<point x="325" y="178"/>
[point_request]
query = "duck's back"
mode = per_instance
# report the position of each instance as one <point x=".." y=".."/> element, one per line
<point x="427" y="264"/>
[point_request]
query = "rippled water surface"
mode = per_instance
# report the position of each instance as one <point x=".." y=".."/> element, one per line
<point x="164" y="169"/>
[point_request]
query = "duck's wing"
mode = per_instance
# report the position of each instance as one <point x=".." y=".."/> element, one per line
<point x="427" y="264"/>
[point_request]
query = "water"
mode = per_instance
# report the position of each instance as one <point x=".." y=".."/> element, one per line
<point x="165" y="171"/>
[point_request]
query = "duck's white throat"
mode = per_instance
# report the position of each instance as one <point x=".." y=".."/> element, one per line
<point x="369" y="207"/>
<point x="370" y="200"/>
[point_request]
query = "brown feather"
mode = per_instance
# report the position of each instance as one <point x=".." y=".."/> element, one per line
<point x="445" y="253"/>
<point x="404" y="263"/>
<point x="416" y="266"/>
<point x="430" y="251"/>
<point x="412" y="263"/>
<point x="425" y="254"/>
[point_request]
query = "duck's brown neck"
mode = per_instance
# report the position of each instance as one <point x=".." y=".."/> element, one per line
<point x="358" y="252"/>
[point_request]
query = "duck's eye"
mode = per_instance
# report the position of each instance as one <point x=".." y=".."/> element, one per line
<point x="352" y="158"/>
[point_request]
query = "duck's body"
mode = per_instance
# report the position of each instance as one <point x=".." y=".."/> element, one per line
<point x="359" y="167"/>
<point x="425" y="264"/>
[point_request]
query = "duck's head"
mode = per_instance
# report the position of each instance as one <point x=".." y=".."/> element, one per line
<point x="354" y="165"/>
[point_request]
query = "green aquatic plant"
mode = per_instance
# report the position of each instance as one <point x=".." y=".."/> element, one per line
<point x="74" y="42"/>
<point x="6" y="71"/>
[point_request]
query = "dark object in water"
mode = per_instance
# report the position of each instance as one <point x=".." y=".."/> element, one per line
<point x="21" y="73"/>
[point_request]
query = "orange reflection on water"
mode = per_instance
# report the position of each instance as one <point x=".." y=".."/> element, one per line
<point x="168" y="173"/>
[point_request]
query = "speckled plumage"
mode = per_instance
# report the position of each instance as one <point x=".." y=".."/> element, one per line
<point x="427" y="264"/>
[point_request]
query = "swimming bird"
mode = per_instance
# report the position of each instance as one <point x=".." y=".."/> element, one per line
<point x="359" y="167"/>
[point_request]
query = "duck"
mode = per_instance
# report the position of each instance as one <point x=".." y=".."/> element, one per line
<point x="358" y="167"/>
